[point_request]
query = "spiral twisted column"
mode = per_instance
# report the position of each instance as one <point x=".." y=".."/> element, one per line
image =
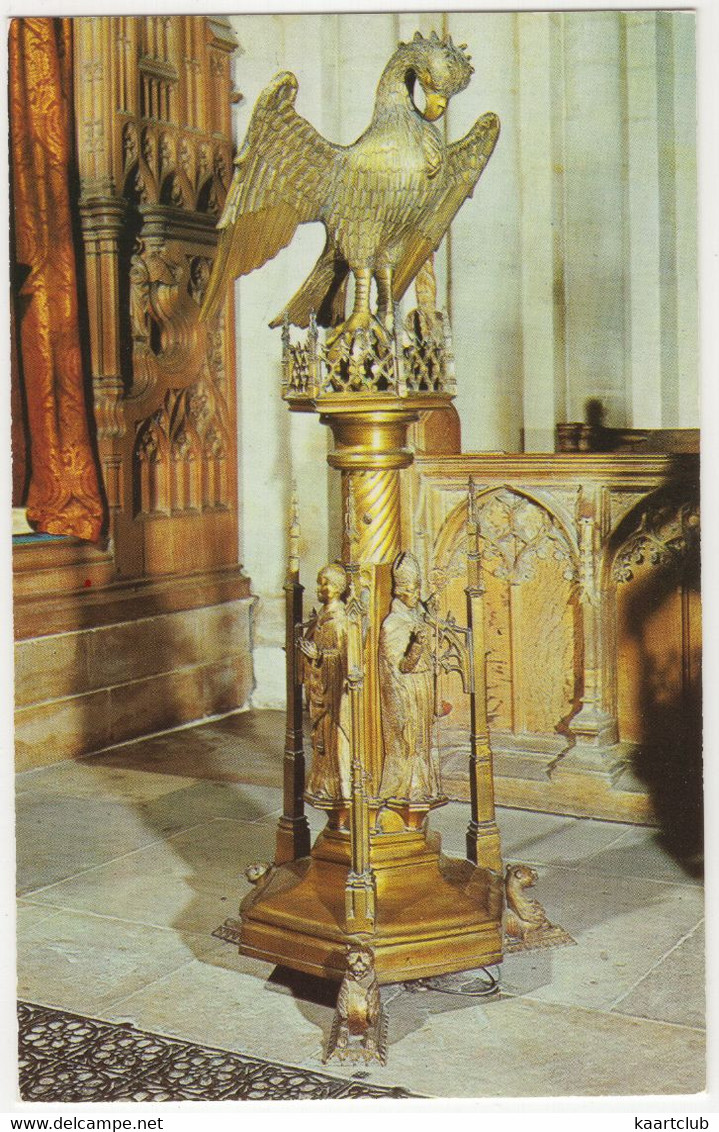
<point x="370" y="450"/>
<point x="371" y="502"/>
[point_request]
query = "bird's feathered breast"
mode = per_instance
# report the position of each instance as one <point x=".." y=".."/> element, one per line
<point x="383" y="184"/>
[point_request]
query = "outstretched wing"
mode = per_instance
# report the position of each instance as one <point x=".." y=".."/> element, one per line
<point x="465" y="162"/>
<point x="280" y="180"/>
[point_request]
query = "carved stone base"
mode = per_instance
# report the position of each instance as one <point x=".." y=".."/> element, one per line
<point x="434" y="914"/>
<point x="607" y="762"/>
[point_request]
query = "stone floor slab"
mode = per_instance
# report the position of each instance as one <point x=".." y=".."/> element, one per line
<point x="506" y="1047"/>
<point x="55" y="838"/>
<point x="576" y="843"/>
<point x="139" y="855"/>
<point x="83" y="779"/>
<point x="191" y="882"/>
<point x="60" y="837"/>
<point x="244" y="747"/>
<point x="232" y="1007"/>
<point x="82" y="962"/>
<point x="673" y="991"/>
<point x="622" y="926"/>
<point x="520" y="1048"/>
<point x="639" y="853"/>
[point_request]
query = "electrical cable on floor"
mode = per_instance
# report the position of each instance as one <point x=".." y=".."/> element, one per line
<point x="441" y="985"/>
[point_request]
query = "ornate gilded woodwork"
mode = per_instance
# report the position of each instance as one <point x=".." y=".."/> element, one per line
<point x="153" y="97"/>
<point x="589" y="565"/>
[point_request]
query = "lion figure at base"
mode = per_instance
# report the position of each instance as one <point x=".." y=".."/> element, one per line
<point x="524" y="914"/>
<point x="358" y="1030"/>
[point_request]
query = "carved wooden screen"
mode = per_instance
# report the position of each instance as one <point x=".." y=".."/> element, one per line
<point x="656" y="571"/>
<point x="592" y="631"/>
<point x="153" y="98"/>
<point x="532" y="633"/>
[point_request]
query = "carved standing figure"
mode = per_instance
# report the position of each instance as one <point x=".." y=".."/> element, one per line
<point x="411" y="770"/>
<point x="324" y="674"/>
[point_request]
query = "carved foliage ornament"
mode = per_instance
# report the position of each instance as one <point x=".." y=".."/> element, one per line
<point x="667" y="533"/>
<point x="167" y="287"/>
<point x="515" y="534"/>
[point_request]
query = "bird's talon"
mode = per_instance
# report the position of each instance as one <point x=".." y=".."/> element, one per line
<point x="359" y="322"/>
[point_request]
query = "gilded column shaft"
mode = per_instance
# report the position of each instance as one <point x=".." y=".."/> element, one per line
<point x="376" y="506"/>
<point x="293" y="831"/>
<point x="360" y="894"/>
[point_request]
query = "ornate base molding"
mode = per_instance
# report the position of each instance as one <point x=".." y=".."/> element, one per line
<point x="435" y="914"/>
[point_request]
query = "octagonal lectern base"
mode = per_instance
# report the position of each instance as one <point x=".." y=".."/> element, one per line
<point x="434" y="914"/>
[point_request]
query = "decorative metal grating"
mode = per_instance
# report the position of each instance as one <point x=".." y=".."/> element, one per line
<point x="65" y="1057"/>
<point x="416" y="359"/>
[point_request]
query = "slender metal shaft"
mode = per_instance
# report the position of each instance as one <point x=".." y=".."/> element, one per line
<point x="293" y="831"/>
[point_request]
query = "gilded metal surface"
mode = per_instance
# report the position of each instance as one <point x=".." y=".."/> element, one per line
<point x="376" y="514"/>
<point x="323" y="646"/>
<point x="359" y="1028"/>
<point x="526" y="924"/>
<point x="360" y="889"/>
<point x="386" y="201"/>
<point x="432" y="915"/>
<point x="373" y="873"/>
<point x="293" y="831"/>
<point x="411" y="765"/>
<point x="417" y="359"/>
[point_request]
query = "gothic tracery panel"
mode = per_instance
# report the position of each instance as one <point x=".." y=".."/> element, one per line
<point x="529" y="574"/>
<point x="158" y="91"/>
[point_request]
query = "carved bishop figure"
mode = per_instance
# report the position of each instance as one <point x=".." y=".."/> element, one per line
<point x="411" y="769"/>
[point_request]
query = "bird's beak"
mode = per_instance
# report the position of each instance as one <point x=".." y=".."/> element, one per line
<point x="436" y="105"/>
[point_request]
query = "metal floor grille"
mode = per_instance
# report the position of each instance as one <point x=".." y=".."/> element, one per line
<point x="66" y="1057"/>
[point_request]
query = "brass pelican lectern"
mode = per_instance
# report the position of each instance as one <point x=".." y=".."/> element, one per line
<point x="373" y="900"/>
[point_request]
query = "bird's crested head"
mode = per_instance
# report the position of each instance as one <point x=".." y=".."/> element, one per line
<point x="441" y="68"/>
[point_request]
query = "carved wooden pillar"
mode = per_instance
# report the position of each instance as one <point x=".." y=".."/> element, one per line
<point x="153" y="97"/>
<point x="102" y="212"/>
<point x="594" y="727"/>
<point x="483" y="843"/>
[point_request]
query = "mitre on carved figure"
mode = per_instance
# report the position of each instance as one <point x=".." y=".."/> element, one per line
<point x="386" y="201"/>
